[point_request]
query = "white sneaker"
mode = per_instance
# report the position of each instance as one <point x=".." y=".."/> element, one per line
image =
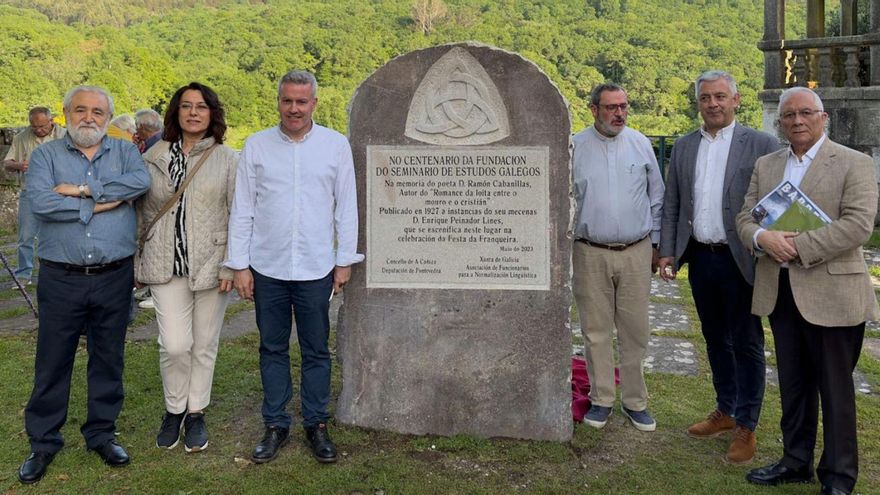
<point x="147" y="304"/>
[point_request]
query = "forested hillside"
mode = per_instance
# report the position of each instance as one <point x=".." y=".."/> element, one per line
<point x="141" y="50"/>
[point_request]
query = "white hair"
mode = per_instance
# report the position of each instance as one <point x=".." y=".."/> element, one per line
<point x="68" y="98"/>
<point x="148" y="118"/>
<point x="788" y="93"/>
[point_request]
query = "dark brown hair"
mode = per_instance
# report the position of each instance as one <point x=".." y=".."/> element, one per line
<point x="217" y="125"/>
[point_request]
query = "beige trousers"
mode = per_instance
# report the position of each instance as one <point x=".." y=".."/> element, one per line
<point x="611" y="289"/>
<point x="189" y="335"/>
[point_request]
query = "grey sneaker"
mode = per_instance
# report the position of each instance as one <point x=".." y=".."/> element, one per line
<point x="169" y="432"/>
<point x="597" y="416"/>
<point x="195" y="433"/>
<point x="640" y="419"/>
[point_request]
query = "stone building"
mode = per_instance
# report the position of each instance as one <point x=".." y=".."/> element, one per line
<point x="844" y="70"/>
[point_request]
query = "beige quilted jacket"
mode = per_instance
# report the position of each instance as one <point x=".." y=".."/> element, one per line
<point x="208" y="200"/>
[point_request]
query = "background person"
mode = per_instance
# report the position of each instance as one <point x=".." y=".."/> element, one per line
<point x="41" y="130"/>
<point x="148" y="123"/>
<point x="182" y="255"/>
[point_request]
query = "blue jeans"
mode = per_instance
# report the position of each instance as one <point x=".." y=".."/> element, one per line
<point x="28" y="230"/>
<point x="311" y="304"/>
<point x="734" y="336"/>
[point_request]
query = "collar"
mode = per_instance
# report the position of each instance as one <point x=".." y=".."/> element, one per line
<point x="724" y="133"/>
<point x="811" y="153"/>
<point x="605" y="138"/>
<point x="287" y="139"/>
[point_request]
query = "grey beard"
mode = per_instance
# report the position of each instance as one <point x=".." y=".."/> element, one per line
<point x="86" y="137"/>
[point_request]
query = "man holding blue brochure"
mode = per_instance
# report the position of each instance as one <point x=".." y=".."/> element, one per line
<point x="815" y="288"/>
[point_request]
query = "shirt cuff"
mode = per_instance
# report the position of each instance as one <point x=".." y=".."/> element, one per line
<point x="95" y="188"/>
<point x="343" y="259"/>
<point x="755" y="240"/>
<point x="86" y="209"/>
<point x="235" y="264"/>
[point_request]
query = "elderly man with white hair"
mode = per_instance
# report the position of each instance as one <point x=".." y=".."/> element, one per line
<point x="80" y="188"/>
<point x="815" y="289"/>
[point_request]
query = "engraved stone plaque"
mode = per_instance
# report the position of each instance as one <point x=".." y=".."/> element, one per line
<point x="458" y="218"/>
<point x="457" y="103"/>
<point x="462" y="164"/>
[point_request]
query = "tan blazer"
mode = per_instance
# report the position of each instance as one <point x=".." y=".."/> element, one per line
<point x="830" y="285"/>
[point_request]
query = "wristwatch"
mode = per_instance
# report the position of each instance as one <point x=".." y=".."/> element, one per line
<point x="82" y="191"/>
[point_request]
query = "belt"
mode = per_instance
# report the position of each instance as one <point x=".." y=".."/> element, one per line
<point x="86" y="269"/>
<point x="611" y="247"/>
<point x="715" y="247"/>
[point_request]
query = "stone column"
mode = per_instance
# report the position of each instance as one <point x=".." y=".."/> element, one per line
<point x="848" y="17"/>
<point x="815" y="18"/>
<point x="774" y="32"/>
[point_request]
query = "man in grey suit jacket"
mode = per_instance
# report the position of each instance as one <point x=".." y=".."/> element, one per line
<point x="815" y="288"/>
<point x="708" y="176"/>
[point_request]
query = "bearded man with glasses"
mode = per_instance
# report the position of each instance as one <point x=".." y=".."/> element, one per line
<point x="619" y="193"/>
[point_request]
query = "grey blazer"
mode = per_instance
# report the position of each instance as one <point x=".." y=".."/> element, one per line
<point x="678" y="205"/>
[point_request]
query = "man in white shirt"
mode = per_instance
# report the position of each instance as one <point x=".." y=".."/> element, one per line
<point x="709" y="173"/>
<point x="292" y="241"/>
<point x="619" y="194"/>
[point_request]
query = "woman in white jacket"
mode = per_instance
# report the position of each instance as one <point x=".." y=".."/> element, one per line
<point x="182" y="255"/>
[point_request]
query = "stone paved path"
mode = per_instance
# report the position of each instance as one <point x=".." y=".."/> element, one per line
<point x="676" y="355"/>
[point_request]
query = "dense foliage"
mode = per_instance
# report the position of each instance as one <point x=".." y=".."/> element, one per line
<point x="141" y="50"/>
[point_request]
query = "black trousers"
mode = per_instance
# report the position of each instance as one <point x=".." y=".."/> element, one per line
<point x="70" y="302"/>
<point x="816" y="362"/>
<point x="734" y="336"/>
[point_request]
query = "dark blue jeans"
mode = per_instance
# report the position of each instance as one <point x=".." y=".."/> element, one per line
<point x="70" y="302"/>
<point x="311" y="304"/>
<point x="734" y="336"/>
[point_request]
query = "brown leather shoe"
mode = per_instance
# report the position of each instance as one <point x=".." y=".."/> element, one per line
<point x="742" y="448"/>
<point x="714" y="425"/>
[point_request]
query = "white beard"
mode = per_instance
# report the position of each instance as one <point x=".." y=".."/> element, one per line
<point x="87" y="136"/>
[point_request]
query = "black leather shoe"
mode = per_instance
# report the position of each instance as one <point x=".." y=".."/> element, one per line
<point x="34" y="467"/>
<point x="272" y="441"/>
<point x="112" y="453"/>
<point x="777" y="474"/>
<point x="830" y="490"/>
<point x="319" y="441"/>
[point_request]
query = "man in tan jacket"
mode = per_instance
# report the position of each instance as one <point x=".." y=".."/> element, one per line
<point x="815" y="288"/>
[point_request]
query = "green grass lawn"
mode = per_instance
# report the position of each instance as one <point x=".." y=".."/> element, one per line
<point x="617" y="459"/>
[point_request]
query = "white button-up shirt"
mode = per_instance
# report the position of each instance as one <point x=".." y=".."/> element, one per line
<point x="709" y="185"/>
<point x="617" y="186"/>
<point x="294" y="216"/>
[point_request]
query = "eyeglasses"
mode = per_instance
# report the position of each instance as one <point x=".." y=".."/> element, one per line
<point x="805" y="113"/>
<point x="613" y="108"/>
<point x="200" y="107"/>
